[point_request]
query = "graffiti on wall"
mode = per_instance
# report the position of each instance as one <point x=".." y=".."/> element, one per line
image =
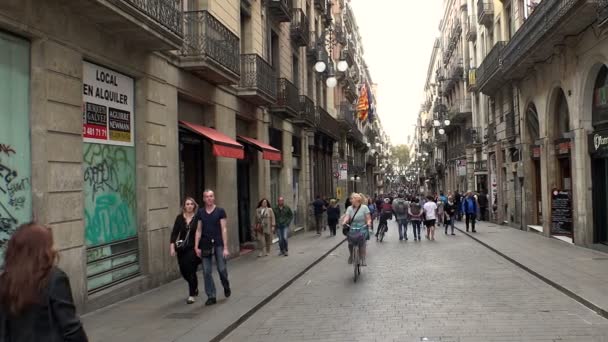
<point x="15" y="201"/>
<point x="109" y="187"/>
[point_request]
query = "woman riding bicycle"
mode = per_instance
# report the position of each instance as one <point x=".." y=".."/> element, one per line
<point x="386" y="213"/>
<point x="359" y="220"/>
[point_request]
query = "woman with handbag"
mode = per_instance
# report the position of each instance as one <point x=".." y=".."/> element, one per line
<point x="36" y="301"/>
<point x="357" y="222"/>
<point x="182" y="244"/>
<point x="264" y="227"/>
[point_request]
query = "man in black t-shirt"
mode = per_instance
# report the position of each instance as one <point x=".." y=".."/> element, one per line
<point x="212" y="238"/>
<point x="319" y="208"/>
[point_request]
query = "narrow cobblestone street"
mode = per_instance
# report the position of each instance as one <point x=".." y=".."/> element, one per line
<point x="453" y="289"/>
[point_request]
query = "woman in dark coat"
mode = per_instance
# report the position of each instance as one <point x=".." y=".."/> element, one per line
<point x="333" y="215"/>
<point x="182" y="245"/>
<point x="36" y="301"/>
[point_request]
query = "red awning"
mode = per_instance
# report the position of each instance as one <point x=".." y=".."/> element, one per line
<point x="223" y="145"/>
<point x="268" y="152"/>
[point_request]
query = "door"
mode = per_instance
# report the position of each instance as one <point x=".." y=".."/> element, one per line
<point x="191" y="168"/>
<point x="244" y="197"/>
<point x="599" y="169"/>
<point x="538" y="193"/>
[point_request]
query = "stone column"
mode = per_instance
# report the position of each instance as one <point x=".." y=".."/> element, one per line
<point x="582" y="205"/>
<point x="226" y="193"/>
<point x="287" y="169"/>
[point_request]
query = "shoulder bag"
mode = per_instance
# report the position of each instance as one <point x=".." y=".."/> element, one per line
<point x="183" y="244"/>
<point x="346" y="227"/>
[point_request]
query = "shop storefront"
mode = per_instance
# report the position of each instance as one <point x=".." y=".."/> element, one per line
<point x="15" y="160"/>
<point x="598" y="149"/>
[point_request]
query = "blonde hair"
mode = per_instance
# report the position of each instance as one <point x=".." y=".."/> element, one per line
<point x="359" y="197"/>
<point x="184" y="205"/>
<point x="332" y="202"/>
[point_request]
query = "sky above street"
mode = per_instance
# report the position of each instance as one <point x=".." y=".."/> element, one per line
<point x="398" y="37"/>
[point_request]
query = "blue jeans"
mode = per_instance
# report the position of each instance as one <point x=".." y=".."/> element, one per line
<point x="221" y="270"/>
<point x="450" y="223"/>
<point x="282" y="233"/>
<point x="416" y="228"/>
<point x="402" y="224"/>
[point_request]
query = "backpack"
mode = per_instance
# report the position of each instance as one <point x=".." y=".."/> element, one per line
<point x="401" y="210"/>
<point x="415" y="208"/>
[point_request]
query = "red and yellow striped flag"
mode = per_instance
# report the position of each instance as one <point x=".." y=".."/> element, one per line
<point x="363" y="104"/>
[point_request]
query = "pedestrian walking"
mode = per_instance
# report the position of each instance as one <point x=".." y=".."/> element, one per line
<point x="440" y="213"/>
<point x="469" y="208"/>
<point x="400" y="208"/>
<point x="333" y="216"/>
<point x="283" y="215"/>
<point x="212" y="239"/>
<point x="458" y="202"/>
<point x="265" y="224"/>
<point x="319" y="208"/>
<point x="430" y="218"/>
<point x="450" y="215"/>
<point x="371" y="204"/>
<point x="36" y="302"/>
<point x="415" y="216"/>
<point x="182" y="245"/>
<point x="482" y="199"/>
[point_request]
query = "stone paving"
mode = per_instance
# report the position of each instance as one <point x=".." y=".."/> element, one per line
<point x="452" y="289"/>
<point x="162" y="315"/>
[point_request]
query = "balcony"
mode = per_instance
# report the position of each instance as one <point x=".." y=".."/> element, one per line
<point x="280" y="10"/>
<point x="456" y="70"/>
<point x="472" y="80"/>
<point x="460" y="110"/>
<point x="328" y="124"/>
<point x="490" y="134"/>
<point x="348" y="121"/>
<point x="471" y="29"/>
<point x="602" y="14"/>
<point x="350" y="89"/>
<point x="154" y="25"/>
<point x="472" y="136"/>
<point x="543" y="30"/>
<point x="288" y="99"/>
<point x="510" y="131"/>
<point x="481" y="166"/>
<point x="321" y="5"/>
<point x="307" y="115"/>
<point x="457" y="151"/>
<point x="210" y="49"/>
<point x="258" y="82"/>
<point x="490" y="73"/>
<point x="300" y="33"/>
<point x="485" y="12"/>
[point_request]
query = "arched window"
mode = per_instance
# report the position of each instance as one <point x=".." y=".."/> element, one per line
<point x="600" y="99"/>
<point x="532" y="123"/>
<point x="562" y="115"/>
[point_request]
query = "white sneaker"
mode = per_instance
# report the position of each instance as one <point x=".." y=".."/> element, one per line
<point x="190" y="300"/>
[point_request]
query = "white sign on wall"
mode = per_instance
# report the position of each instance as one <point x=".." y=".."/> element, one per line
<point x="108" y="106"/>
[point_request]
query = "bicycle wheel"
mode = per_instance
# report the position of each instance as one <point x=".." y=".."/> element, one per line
<point x="356" y="262"/>
<point x="381" y="233"/>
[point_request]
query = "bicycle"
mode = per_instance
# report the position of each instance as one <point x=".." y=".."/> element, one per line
<point x="356" y="262"/>
<point x="382" y="228"/>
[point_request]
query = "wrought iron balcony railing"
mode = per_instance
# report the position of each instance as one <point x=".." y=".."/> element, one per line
<point x="481" y="165"/>
<point x="258" y="80"/>
<point x="166" y="12"/>
<point x="472" y="136"/>
<point x="602" y="13"/>
<point x="471" y="30"/>
<point x="489" y="73"/>
<point x="485" y="12"/>
<point x="460" y="109"/>
<point x="472" y="80"/>
<point x="288" y="98"/>
<point x="456" y="151"/>
<point x="208" y="44"/>
<point x="307" y="114"/>
<point x="328" y="124"/>
<point x="321" y="5"/>
<point x="300" y="32"/>
<point x="280" y="10"/>
<point x="545" y="18"/>
<point x="510" y="131"/>
<point x="490" y="134"/>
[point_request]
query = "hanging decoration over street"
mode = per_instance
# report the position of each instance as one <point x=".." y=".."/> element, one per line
<point x="363" y="104"/>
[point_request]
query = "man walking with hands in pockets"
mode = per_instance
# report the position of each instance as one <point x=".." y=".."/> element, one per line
<point x="212" y="238"/>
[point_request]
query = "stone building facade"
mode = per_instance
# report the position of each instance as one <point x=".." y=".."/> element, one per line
<point x="537" y="75"/>
<point x="114" y="111"/>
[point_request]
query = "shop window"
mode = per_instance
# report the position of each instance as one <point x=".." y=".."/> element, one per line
<point x="15" y="160"/>
<point x="275" y="138"/>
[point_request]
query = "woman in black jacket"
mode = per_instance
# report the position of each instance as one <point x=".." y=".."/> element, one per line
<point x="36" y="301"/>
<point x="333" y="215"/>
<point x="182" y="244"/>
